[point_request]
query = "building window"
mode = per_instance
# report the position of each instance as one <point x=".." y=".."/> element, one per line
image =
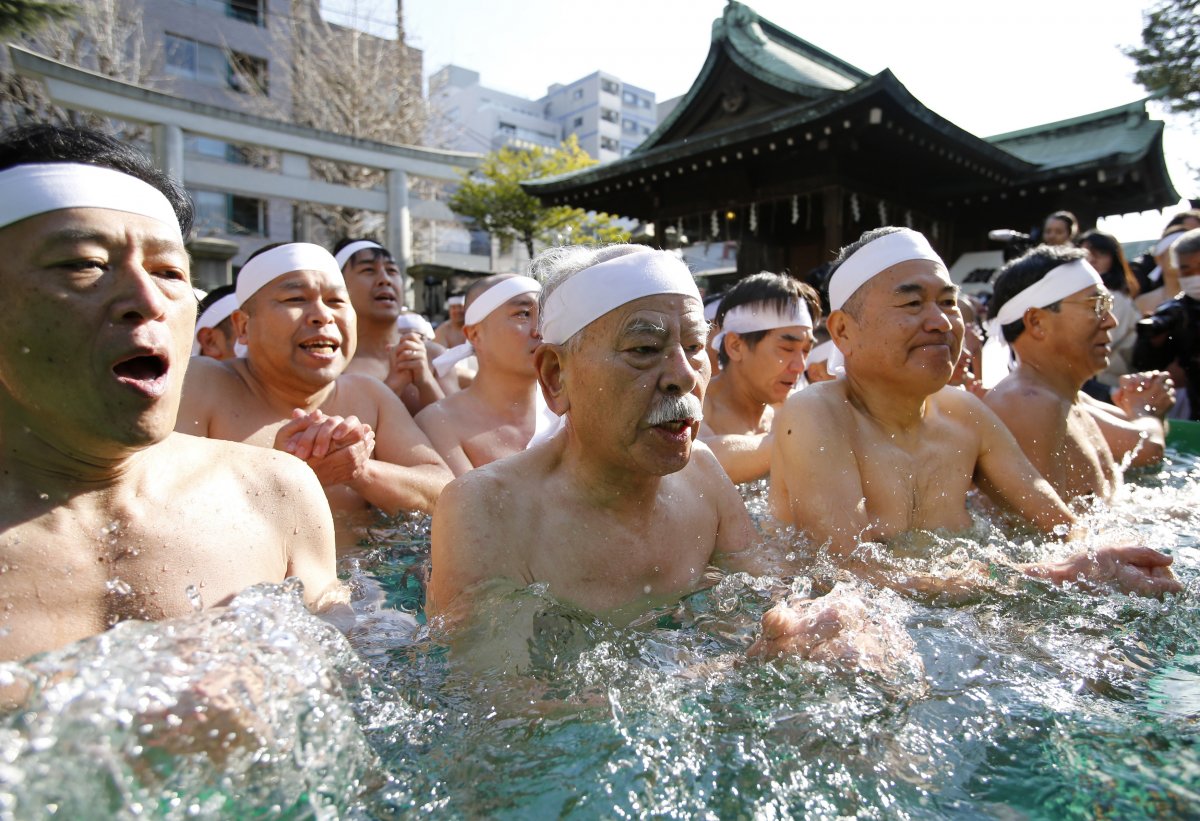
<point x="630" y="125"/>
<point x="248" y="11"/>
<point x="643" y="102"/>
<point x="609" y="87"/>
<point x="216" y="149"/>
<point x="645" y="131"/>
<point x="629" y="98"/>
<point x="609" y="144"/>
<point x="208" y="64"/>
<point x="577" y="94"/>
<point x="230" y="213"/>
<point x="577" y="122"/>
<point x="507" y="128"/>
<point x="608" y="115"/>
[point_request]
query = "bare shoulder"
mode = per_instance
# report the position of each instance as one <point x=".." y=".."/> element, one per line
<point x="255" y="468"/>
<point x="704" y="467"/>
<point x="447" y="410"/>
<point x="819" y="409"/>
<point x="1015" y="399"/>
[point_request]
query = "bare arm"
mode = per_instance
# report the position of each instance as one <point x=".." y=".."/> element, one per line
<point x="203" y="385"/>
<point x="1038" y="424"/>
<point x="744" y="457"/>
<point x="406" y="472"/>
<point x="436" y="423"/>
<point x="309" y="542"/>
<point x="1135" y="423"/>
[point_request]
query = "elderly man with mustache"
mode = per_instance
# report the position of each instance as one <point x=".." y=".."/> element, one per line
<point x="618" y="513"/>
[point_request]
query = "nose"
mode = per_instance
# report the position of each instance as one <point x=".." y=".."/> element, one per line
<point x="798" y="361"/>
<point x="937" y="319"/>
<point x="320" y="313"/>
<point x="140" y="296"/>
<point x="1109" y="320"/>
<point x="678" y="375"/>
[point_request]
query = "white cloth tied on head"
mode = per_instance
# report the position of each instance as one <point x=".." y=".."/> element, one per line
<point x="38" y="188"/>
<point x="213" y="316"/>
<point x="606" y="286"/>
<point x="481" y="309"/>
<point x="343" y="256"/>
<point x="1166" y="242"/>
<point x="295" y="256"/>
<point x="876" y="256"/>
<point x="1057" y="284"/>
<point x="456" y="300"/>
<point x="410" y="321"/>
<point x="710" y="310"/>
<point x="821" y="352"/>
<point x="762" y="316"/>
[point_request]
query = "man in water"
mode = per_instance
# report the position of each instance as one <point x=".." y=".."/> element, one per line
<point x="450" y="333"/>
<point x="495" y="416"/>
<point x="1055" y="312"/>
<point x="396" y="357"/>
<point x="617" y="513"/>
<point x="766" y="323"/>
<point x="888" y="449"/>
<point x="107" y="514"/>
<point x="214" y="328"/>
<point x="291" y="391"/>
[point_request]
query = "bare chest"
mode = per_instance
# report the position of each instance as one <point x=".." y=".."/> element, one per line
<point x="1084" y="462"/>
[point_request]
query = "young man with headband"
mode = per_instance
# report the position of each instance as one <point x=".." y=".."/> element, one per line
<point x="1053" y="309"/>
<point x="496" y="415"/>
<point x="291" y="392"/>
<point x="450" y="333"/>
<point x="618" y="513"/>
<point x="897" y="451"/>
<point x="106" y="513"/>
<point x="214" y="328"/>
<point x="766" y="323"/>
<point x="397" y="357"/>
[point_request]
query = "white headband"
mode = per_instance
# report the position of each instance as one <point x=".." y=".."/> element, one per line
<point x="38" y="188"/>
<point x="456" y="300"/>
<point x="343" y="256"/>
<point x="410" y="321"/>
<point x="1057" y="284"/>
<point x="295" y="256"/>
<point x="593" y="292"/>
<point x="761" y="316"/>
<point x="213" y="316"/>
<point x="876" y="256"/>
<point x="710" y="310"/>
<point x="1166" y="242"/>
<point x="821" y="352"/>
<point x="480" y="309"/>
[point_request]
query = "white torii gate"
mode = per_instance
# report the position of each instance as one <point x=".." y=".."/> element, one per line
<point x="171" y="116"/>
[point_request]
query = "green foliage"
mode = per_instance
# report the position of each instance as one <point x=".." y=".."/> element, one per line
<point x="1169" y="59"/>
<point x="24" y="16"/>
<point x="494" y="199"/>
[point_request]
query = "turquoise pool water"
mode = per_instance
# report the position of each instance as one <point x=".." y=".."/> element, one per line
<point x="1027" y="704"/>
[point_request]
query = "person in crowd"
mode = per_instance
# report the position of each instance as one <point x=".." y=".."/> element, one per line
<point x="399" y="359"/>
<point x="107" y="513"/>
<point x="817" y="369"/>
<point x="1170" y="338"/>
<point x="1060" y="228"/>
<point x="766" y="323"/>
<point x="1105" y="254"/>
<point x="1145" y="267"/>
<point x="496" y="415"/>
<point x="291" y="391"/>
<point x="450" y="333"/>
<point x="887" y="450"/>
<point x="618" y="512"/>
<point x="1054" y="310"/>
<point x="1164" y="279"/>
<point x="214" y="328"/>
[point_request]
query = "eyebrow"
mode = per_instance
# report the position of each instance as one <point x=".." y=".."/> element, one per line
<point x="906" y="288"/>
<point x="644" y="326"/>
<point x="794" y="338"/>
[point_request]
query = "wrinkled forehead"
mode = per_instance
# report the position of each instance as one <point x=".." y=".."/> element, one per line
<point x="923" y="276"/>
<point x="664" y="312"/>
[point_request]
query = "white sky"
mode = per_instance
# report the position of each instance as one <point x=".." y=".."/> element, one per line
<point x="989" y="69"/>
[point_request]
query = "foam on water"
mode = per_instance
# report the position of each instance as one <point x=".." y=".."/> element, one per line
<point x="1025" y="702"/>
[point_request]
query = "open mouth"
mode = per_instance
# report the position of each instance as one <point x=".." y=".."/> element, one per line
<point x="145" y="373"/>
<point x="389" y="299"/>
<point x="676" y="428"/>
<point x="321" y="346"/>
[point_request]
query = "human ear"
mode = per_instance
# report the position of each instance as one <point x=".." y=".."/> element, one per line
<point x="548" y="359"/>
<point x="241" y="322"/>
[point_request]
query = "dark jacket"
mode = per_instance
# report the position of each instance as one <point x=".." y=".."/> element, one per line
<point x="1172" y="335"/>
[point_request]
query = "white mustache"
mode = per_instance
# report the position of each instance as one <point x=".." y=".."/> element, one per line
<point x="672" y="408"/>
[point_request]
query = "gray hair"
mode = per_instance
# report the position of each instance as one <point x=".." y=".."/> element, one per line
<point x="1189" y="243"/>
<point x="554" y="266"/>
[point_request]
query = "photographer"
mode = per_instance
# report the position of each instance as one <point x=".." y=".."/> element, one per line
<point x="1169" y="339"/>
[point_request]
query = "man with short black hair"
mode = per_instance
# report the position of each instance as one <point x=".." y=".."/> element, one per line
<point x="291" y="391"/>
<point x="214" y="328"/>
<point x="1051" y="306"/>
<point x="766" y="323"/>
<point x="106" y="513"/>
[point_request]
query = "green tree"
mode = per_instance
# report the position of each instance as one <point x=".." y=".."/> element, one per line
<point x="25" y="16"/>
<point x="1169" y="58"/>
<point x="494" y="199"/>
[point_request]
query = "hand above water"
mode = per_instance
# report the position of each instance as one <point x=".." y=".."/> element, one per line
<point x="336" y="448"/>
<point x="409" y="363"/>
<point x="1151" y="393"/>
<point x="1130" y="569"/>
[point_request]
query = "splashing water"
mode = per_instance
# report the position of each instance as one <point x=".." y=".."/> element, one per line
<point x="1028" y="702"/>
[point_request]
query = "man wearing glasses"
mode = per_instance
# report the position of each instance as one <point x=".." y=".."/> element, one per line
<point x="1052" y="308"/>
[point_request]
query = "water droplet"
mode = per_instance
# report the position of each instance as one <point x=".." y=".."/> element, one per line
<point x="646" y="589"/>
<point x="44" y="496"/>
<point x="194" y="598"/>
<point x="118" y="587"/>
